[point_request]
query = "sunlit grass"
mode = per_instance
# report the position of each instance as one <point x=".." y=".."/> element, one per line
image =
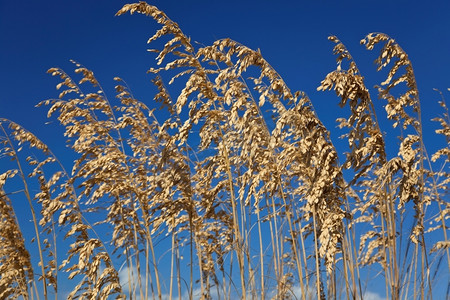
<point x="238" y="193"/>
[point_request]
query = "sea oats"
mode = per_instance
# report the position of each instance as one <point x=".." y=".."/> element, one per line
<point x="236" y="189"/>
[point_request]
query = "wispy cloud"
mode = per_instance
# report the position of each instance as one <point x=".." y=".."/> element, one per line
<point x="296" y="291"/>
<point x="372" y="296"/>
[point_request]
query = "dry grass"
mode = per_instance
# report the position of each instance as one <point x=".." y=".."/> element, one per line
<point x="238" y="202"/>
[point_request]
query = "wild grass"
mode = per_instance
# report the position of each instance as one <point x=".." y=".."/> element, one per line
<point x="237" y="192"/>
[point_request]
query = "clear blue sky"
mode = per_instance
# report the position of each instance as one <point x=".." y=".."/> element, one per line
<point x="292" y="36"/>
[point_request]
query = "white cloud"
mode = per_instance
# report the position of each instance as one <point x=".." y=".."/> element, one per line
<point x="124" y="276"/>
<point x="372" y="296"/>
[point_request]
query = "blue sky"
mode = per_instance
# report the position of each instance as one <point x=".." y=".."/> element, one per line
<point x="292" y="36"/>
